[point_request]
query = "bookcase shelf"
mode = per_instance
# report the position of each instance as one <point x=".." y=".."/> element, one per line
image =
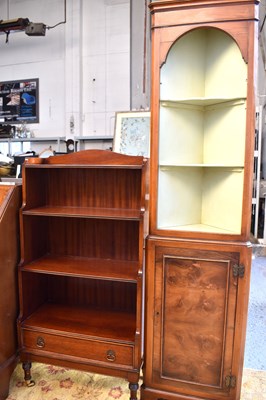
<point x="85" y="212"/>
<point x="84" y="322"/>
<point x="94" y="268"/>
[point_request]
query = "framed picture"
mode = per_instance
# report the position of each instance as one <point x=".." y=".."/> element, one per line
<point x="132" y="133"/>
<point x="19" y="101"/>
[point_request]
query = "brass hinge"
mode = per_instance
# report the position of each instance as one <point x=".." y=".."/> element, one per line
<point x="230" y="381"/>
<point x="238" y="270"/>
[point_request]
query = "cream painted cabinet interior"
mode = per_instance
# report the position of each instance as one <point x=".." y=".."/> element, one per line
<point x="203" y="90"/>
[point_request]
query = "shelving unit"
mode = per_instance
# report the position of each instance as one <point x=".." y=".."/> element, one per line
<point x="83" y="224"/>
<point x="10" y="141"/>
<point x="79" y="141"/>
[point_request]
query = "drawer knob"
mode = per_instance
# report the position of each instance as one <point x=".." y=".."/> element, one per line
<point x="110" y="355"/>
<point x="40" y="342"/>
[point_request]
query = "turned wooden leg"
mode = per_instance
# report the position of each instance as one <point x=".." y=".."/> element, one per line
<point x="27" y="374"/>
<point x="133" y="387"/>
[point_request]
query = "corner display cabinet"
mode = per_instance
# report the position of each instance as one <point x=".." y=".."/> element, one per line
<point x="83" y="224"/>
<point x="198" y="252"/>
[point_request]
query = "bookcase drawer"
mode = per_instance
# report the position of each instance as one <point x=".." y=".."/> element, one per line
<point x="91" y="350"/>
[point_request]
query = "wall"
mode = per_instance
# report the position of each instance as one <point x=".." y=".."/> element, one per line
<point x="83" y="65"/>
<point x="106" y="64"/>
<point x="140" y="43"/>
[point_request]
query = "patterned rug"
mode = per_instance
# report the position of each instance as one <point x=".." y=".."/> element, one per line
<point x="55" y="383"/>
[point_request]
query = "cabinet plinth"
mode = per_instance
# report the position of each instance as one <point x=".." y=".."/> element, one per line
<point x="83" y="226"/>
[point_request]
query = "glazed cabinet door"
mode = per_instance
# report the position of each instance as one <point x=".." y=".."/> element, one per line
<point x="192" y="302"/>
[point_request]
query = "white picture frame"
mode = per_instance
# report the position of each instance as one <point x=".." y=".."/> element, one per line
<point x="132" y="133"/>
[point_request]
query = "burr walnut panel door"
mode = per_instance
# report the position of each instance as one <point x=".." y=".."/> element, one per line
<point x="195" y="303"/>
